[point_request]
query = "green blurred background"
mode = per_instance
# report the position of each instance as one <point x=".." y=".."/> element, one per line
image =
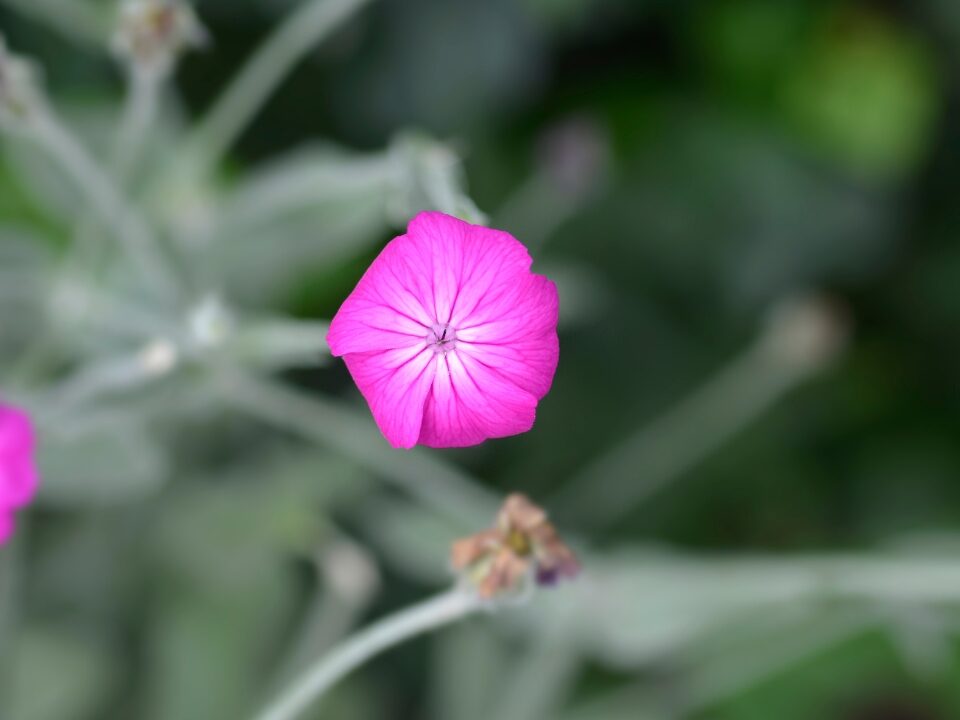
<point x="750" y="208"/>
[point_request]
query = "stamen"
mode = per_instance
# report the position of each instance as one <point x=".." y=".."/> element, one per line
<point x="442" y="338"/>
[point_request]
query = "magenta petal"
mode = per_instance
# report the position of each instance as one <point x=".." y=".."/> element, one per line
<point x="18" y="472"/>
<point x="395" y="384"/>
<point x="449" y="336"/>
<point x="18" y="477"/>
<point x="472" y="402"/>
<point x="467" y="262"/>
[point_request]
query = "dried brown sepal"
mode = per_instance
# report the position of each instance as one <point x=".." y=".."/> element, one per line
<point x="522" y="544"/>
<point x="21" y="99"/>
<point x="153" y="33"/>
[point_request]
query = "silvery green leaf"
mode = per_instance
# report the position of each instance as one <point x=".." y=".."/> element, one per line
<point x="415" y="541"/>
<point x="105" y="463"/>
<point x="25" y="279"/>
<point x="61" y="675"/>
<point x="293" y="217"/>
<point x="277" y="343"/>
<point x="430" y="177"/>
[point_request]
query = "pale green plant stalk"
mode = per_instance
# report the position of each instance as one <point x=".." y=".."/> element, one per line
<point x="114" y="210"/>
<point x="348" y="580"/>
<point x="737" y="674"/>
<point x="442" y="487"/>
<point x="801" y="338"/>
<point x="9" y="611"/>
<point x="541" y="678"/>
<point x="429" y="615"/>
<point x="139" y="113"/>
<point x="140" y="109"/>
<point x="242" y="100"/>
<point x="77" y="21"/>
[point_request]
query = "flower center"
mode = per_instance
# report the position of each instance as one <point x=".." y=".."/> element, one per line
<point x="442" y="338"/>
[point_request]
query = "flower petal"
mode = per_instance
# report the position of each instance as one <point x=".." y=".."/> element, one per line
<point x="464" y="262"/>
<point x="476" y="280"/>
<point x="16" y="432"/>
<point x="471" y="402"/>
<point x="18" y="481"/>
<point x="395" y="384"/>
<point x="365" y="325"/>
<point x="529" y="307"/>
<point x="519" y="338"/>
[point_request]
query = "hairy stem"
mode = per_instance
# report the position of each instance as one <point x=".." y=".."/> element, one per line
<point x="436" y="484"/>
<point x="113" y="209"/>
<point x="247" y="94"/>
<point x="656" y="454"/>
<point x="358" y="649"/>
<point x="139" y="113"/>
<point x="79" y="22"/>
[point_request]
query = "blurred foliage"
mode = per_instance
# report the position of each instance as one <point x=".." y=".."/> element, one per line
<point x="767" y="507"/>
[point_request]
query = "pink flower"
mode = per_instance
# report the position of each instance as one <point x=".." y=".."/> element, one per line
<point x="449" y="336"/>
<point x="18" y="473"/>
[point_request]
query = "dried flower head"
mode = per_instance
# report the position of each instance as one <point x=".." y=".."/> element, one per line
<point x="152" y="34"/>
<point x="449" y="336"/>
<point x="20" y="96"/>
<point x="522" y="544"/>
<point x="18" y="472"/>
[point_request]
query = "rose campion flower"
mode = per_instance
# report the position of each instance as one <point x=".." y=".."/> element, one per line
<point x="18" y="473"/>
<point x="449" y="336"/>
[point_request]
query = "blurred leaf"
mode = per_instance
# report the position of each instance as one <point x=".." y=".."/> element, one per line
<point x="82" y="21"/>
<point x="431" y="178"/>
<point x="865" y="94"/>
<point x="96" y="464"/>
<point x="61" y="675"/>
<point x="644" y="606"/>
<point x="316" y="207"/>
<point x="206" y="643"/>
<point x="414" y="541"/>
<point x="43" y="181"/>
<point x="228" y="585"/>
<point x="26" y="267"/>
<point x="469" y="669"/>
<point x="278" y="343"/>
<point x="747" y="45"/>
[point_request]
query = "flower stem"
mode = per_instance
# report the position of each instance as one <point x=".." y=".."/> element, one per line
<point x="442" y="487"/>
<point x="355" y="651"/>
<point x="79" y="22"/>
<point x="656" y="454"/>
<point x="139" y="113"/>
<point x="242" y="100"/>
<point x="802" y="335"/>
<point x="114" y="210"/>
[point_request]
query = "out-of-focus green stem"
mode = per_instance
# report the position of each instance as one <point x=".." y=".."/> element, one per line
<point x="349" y="581"/>
<point x="246" y="95"/>
<point x="114" y="209"/>
<point x="436" y="484"/>
<point x="614" y="484"/>
<point x="356" y="650"/>
<point x="717" y="682"/>
<point x="139" y="113"/>
<point x="540" y="679"/>
<point x="9" y="571"/>
<point x="801" y="336"/>
<point x="75" y="20"/>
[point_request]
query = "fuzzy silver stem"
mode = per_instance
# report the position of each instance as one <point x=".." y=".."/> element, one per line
<point x="366" y="644"/>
